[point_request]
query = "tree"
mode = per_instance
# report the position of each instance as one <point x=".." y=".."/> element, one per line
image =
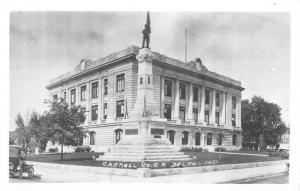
<point x="39" y="130"/>
<point x="22" y="131"/>
<point x="261" y="122"/>
<point x="66" y="122"/>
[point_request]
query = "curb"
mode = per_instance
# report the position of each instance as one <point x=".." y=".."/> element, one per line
<point x="146" y="172"/>
<point x="251" y="178"/>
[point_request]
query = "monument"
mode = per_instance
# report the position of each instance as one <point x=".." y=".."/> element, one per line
<point x="144" y="138"/>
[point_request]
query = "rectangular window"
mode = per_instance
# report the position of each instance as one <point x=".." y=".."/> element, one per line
<point x="105" y="111"/>
<point x="95" y="90"/>
<point x="182" y="91"/>
<point x="182" y="113"/>
<point x="73" y="96"/>
<point x="65" y="96"/>
<point x="120" y="108"/>
<point x="206" y="96"/>
<point x="233" y="102"/>
<point x="83" y="93"/>
<point x="233" y="120"/>
<point x="195" y="94"/>
<point x="120" y="82"/>
<point x="167" y="111"/>
<point x="83" y="110"/>
<point x="94" y="112"/>
<point x="168" y="88"/>
<point x="217" y="117"/>
<point x="141" y="80"/>
<point x="217" y="99"/>
<point x="105" y="86"/>
<point x="206" y="115"/>
<point x="55" y="97"/>
<point x="149" y="79"/>
<point x="195" y="115"/>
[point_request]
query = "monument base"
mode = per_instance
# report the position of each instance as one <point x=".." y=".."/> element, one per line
<point x="138" y="148"/>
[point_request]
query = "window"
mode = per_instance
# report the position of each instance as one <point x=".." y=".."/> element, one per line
<point x="197" y="139"/>
<point x="171" y="136"/>
<point x="233" y="102"/>
<point x="233" y="120"/>
<point x="209" y="139"/>
<point x="94" y="112"/>
<point x="195" y="94"/>
<point x="120" y="108"/>
<point x="167" y="111"/>
<point x="141" y="80"/>
<point x="217" y="99"/>
<point x="185" y="139"/>
<point x="95" y="90"/>
<point x="55" y="97"/>
<point x="120" y="82"/>
<point x="118" y="135"/>
<point x="149" y="80"/>
<point x="206" y="115"/>
<point x="83" y="93"/>
<point x="168" y="88"/>
<point x="234" y="137"/>
<point x="206" y="96"/>
<point x="182" y="91"/>
<point x="65" y="96"/>
<point x="182" y="113"/>
<point x="195" y="115"/>
<point x="83" y="110"/>
<point x="217" y="117"/>
<point x="105" y="111"/>
<point x="105" y="86"/>
<point x="73" y="96"/>
<point x="92" y="138"/>
<point x="220" y="139"/>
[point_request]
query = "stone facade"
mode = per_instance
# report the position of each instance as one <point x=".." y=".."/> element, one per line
<point x="184" y="102"/>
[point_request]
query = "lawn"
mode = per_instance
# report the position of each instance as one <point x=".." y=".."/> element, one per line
<point x="86" y="159"/>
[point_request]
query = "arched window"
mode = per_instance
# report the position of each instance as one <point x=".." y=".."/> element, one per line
<point x="209" y="139"/>
<point x="220" y="139"/>
<point x="234" y="139"/>
<point x="197" y="139"/>
<point x="171" y="136"/>
<point x="118" y="135"/>
<point x="92" y="138"/>
<point x="185" y="136"/>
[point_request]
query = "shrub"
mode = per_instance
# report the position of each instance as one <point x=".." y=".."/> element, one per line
<point x="191" y="149"/>
<point x="284" y="155"/>
<point x="81" y="149"/>
<point x="274" y="154"/>
<point x="88" y="149"/>
<point x="220" y="149"/>
<point x="53" y="150"/>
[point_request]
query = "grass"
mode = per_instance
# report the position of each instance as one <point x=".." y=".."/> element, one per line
<point x="85" y="159"/>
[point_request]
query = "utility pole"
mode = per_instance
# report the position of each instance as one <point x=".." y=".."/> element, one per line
<point x="185" y="56"/>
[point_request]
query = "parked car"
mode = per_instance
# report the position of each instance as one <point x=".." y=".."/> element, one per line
<point x="17" y="162"/>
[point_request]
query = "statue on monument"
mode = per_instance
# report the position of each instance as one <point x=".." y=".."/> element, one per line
<point x="146" y="33"/>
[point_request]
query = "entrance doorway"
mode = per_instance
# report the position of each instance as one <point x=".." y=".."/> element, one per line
<point x="118" y="135"/>
<point x="197" y="139"/>
<point x="171" y="135"/>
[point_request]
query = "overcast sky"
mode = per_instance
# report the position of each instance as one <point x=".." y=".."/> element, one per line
<point x="253" y="48"/>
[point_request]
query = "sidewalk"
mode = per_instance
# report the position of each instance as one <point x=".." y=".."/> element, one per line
<point x="57" y="175"/>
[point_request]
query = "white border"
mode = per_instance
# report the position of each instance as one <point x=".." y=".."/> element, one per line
<point x="154" y="5"/>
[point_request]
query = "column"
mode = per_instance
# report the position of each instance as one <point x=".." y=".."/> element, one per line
<point x="223" y="109"/>
<point x="162" y="96"/>
<point x="100" y="105"/>
<point x="202" y="104"/>
<point x="176" y="100"/>
<point x="238" y="111"/>
<point x="190" y="102"/>
<point x="88" y="105"/>
<point x="202" y="139"/>
<point x="212" y="117"/>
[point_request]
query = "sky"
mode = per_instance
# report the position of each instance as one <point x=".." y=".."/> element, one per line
<point x="253" y="48"/>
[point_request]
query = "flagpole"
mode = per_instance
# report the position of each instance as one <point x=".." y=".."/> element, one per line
<point x="185" y="46"/>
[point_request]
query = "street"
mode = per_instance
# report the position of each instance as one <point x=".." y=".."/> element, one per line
<point x="35" y="179"/>
<point x="278" y="179"/>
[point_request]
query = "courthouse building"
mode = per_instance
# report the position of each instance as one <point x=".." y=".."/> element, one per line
<point x="192" y="106"/>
